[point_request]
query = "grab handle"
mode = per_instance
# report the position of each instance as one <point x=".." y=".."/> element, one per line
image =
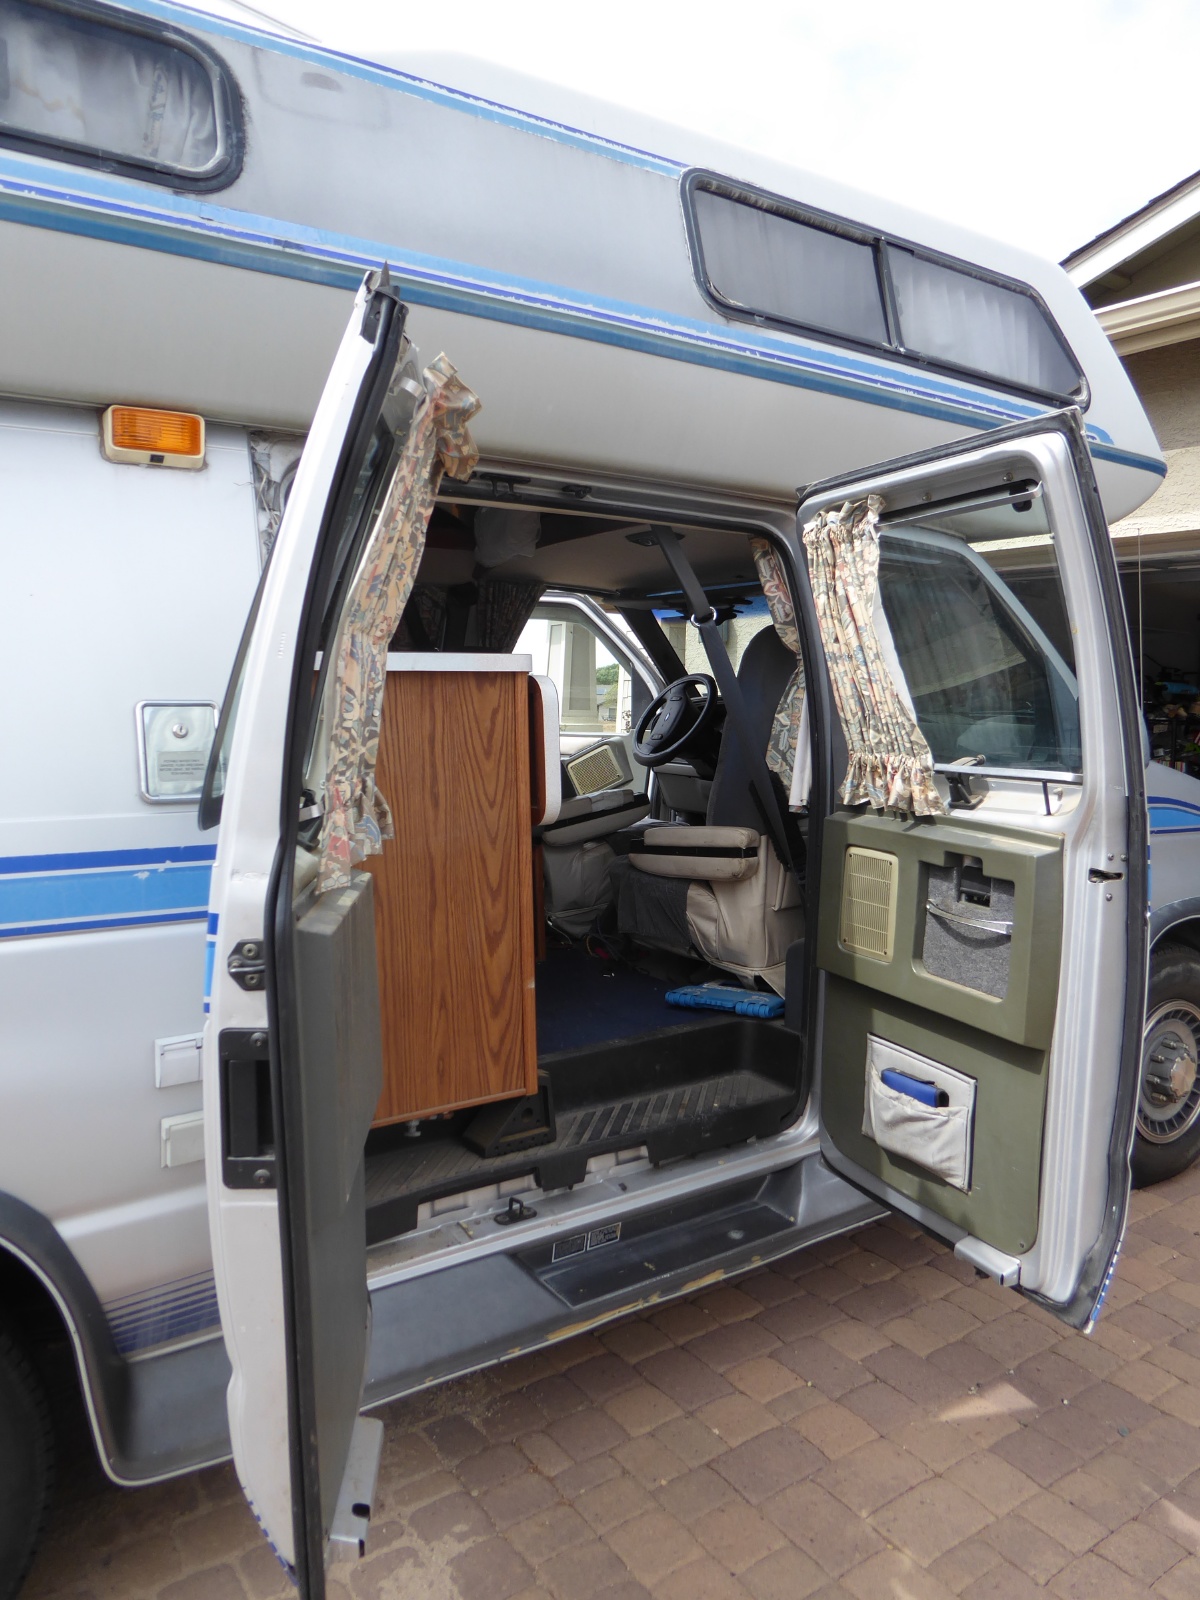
<point x="977" y="923"/>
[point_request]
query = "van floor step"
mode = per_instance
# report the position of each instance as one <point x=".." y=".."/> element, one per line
<point x="671" y="1119"/>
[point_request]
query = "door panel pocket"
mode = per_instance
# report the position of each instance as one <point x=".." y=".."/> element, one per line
<point x="919" y="1109"/>
<point x="968" y="926"/>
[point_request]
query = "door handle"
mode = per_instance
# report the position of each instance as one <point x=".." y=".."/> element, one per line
<point x="977" y="923"/>
<point x="247" y="1132"/>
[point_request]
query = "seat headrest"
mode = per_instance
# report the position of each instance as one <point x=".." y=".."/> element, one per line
<point x="766" y="660"/>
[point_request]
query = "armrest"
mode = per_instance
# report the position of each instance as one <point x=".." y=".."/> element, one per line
<point x="716" y="855"/>
<point x="591" y="816"/>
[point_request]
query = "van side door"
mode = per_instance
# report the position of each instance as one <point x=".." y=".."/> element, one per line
<point x="981" y="952"/>
<point x="292" y="1053"/>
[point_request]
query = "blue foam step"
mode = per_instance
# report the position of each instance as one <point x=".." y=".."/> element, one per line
<point x="722" y="997"/>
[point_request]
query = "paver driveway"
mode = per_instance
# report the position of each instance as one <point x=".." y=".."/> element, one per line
<point x="865" y="1419"/>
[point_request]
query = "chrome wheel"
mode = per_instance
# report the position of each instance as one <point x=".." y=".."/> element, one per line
<point x="1169" y="1100"/>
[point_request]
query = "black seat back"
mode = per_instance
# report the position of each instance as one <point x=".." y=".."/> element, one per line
<point x="763" y="675"/>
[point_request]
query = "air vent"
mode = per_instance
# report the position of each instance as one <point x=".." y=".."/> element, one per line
<point x="597" y="769"/>
<point x="869" y="881"/>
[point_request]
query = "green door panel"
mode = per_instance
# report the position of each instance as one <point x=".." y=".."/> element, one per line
<point x="1001" y="1206"/>
<point x="1002" y="1041"/>
<point x="1030" y="861"/>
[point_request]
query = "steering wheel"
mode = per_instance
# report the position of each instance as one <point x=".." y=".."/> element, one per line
<point x="675" y="719"/>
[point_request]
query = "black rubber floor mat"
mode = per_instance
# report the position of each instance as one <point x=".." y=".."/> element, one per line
<point x="752" y="1098"/>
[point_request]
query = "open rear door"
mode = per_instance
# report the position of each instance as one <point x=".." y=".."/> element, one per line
<point x="293" y="982"/>
<point x="981" y="966"/>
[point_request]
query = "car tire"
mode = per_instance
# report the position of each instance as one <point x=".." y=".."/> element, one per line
<point x="1167" y="1140"/>
<point x="26" y="1464"/>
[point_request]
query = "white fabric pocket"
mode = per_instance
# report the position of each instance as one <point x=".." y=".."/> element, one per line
<point x="937" y="1137"/>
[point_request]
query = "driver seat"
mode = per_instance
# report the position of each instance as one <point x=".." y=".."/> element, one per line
<point x="718" y="890"/>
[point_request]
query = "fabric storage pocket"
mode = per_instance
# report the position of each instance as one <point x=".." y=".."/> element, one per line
<point x="919" y="1109"/>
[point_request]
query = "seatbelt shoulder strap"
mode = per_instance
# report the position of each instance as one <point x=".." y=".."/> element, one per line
<point x="704" y="618"/>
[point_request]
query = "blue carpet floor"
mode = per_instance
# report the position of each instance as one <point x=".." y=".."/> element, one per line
<point x="586" y="1000"/>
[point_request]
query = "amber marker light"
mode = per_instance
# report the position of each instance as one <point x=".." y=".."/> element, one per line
<point x="141" y="437"/>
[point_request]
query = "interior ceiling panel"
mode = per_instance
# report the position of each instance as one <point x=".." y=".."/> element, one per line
<point x="590" y="553"/>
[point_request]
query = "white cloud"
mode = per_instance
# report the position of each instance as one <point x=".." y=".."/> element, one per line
<point x="1039" y="121"/>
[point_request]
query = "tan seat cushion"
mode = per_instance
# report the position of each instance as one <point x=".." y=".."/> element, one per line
<point x="715" y="855"/>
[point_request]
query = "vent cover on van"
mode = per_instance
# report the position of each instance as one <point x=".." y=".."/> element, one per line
<point x="597" y="769"/>
<point x="869" y="882"/>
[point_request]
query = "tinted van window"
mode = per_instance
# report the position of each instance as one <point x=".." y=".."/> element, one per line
<point x="982" y="676"/>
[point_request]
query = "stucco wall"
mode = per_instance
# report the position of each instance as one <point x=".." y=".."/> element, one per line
<point x="1168" y="381"/>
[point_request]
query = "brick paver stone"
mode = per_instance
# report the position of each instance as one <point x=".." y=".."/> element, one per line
<point x="867" y="1419"/>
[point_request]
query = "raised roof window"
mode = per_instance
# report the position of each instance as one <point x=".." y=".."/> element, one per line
<point x="91" y="86"/>
<point x="762" y="262"/>
<point x="760" y="258"/>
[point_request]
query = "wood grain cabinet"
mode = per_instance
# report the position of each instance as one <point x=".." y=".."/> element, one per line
<point x="454" y="901"/>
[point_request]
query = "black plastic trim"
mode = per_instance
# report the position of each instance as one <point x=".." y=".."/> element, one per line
<point x="150" y="1419"/>
<point x="227" y="106"/>
<point x="247" y="1136"/>
<point x="1169" y="918"/>
<point x="723" y="852"/>
<point x="33" y="1240"/>
<point x="649" y="634"/>
<point x="843" y="227"/>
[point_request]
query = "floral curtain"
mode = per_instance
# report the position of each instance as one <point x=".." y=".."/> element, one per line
<point x="788" y="753"/>
<point x="503" y="608"/>
<point x="356" y="817"/>
<point x="891" y="765"/>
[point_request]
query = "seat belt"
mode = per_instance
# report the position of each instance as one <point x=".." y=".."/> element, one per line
<point x="704" y="618"/>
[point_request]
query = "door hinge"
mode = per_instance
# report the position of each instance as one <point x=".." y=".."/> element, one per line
<point x="246" y="965"/>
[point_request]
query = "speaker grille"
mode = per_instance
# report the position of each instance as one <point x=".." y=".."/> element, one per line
<point x="869" y="881"/>
<point x="596" y="769"/>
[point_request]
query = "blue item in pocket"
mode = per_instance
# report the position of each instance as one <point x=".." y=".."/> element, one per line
<point x="915" y="1088"/>
<point x="722" y="997"/>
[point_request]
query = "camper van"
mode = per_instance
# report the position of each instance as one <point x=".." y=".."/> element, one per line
<point x="567" y="782"/>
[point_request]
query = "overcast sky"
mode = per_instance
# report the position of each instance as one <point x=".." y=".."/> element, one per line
<point x="1039" y="121"/>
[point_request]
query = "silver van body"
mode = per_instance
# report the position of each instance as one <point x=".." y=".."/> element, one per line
<point x="562" y="270"/>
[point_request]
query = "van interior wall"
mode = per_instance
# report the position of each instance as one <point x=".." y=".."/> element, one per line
<point x="621" y="1072"/>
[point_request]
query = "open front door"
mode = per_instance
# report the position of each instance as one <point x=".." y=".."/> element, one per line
<point x="292" y="1045"/>
<point x="981" y="938"/>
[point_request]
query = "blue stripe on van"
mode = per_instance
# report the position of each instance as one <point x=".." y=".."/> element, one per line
<point x="210" y="958"/>
<point x="1168" y="815"/>
<point x="92" y="890"/>
<point x="270" y="245"/>
<point x="80" y="860"/>
<point x="157" y="919"/>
